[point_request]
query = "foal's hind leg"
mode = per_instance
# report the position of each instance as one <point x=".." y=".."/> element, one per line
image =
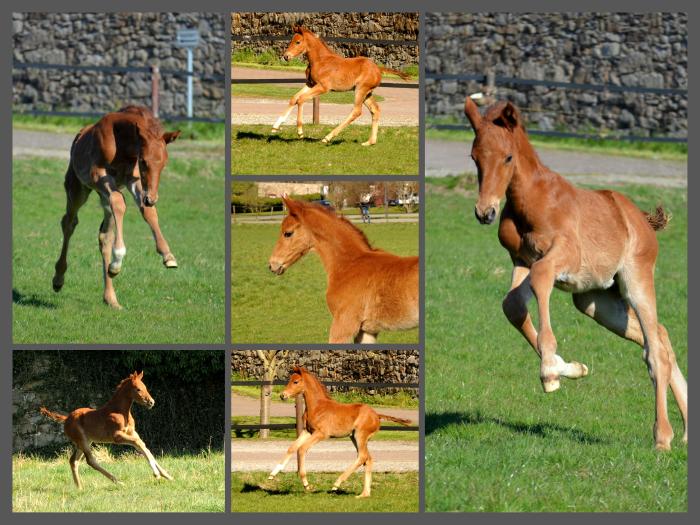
<point x="74" y="464"/>
<point x="363" y="337"/>
<point x="150" y="215"/>
<point x="76" y="195"/>
<point x="376" y="113"/>
<point x="611" y="310"/>
<point x="360" y="95"/>
<point x="359" y="439"/>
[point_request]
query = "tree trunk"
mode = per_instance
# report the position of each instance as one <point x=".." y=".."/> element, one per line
<point x="265" y="399"/>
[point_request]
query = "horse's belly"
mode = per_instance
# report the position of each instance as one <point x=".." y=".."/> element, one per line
<point x="583" y="281"/>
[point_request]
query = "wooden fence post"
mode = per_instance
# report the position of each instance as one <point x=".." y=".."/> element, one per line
<point x="155" y="89"/>
<point x="317" y="110"/>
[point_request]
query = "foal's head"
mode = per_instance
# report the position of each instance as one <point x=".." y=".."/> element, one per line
<point x="298" y="46"/>
<point x="493" y="153"/>
<point x="294" y="240"/>
<point x="134" y="388"/>
<point x="295" y="386"/>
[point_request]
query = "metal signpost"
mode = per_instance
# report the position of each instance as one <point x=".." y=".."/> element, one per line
<point x="189" y="39"/>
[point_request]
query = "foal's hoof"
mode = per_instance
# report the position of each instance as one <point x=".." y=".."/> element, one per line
<point x="113" y="303"/>
<point x="663" y="447"/>
<point x="169" y="261"/>
<point x="57" y="284"/>
<point x="363" y="495"/>
<point x="274" y="131"/>
<point x="326" y="140"/>
<point x="368" y="143"/>
<point x="270" y="477"/>
<point x="550" y="384"/>
<point x="114" y="270"/>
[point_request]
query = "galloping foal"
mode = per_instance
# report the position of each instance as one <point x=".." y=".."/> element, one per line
<point x="123" y="149"/>
<point x="328" y="71"/>
<point x="596" y="245"/>
<point x="111" y="423"/>
<point x="369" y="290"/>
<point x="324" y="418"/>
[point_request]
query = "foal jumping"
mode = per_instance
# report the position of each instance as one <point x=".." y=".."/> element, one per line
<point x="112" y="423"/>
<point x="123" y="149"/>
<point x="369" y="290"/>
<point x="596" y="245"/>
<point x="324" y="418"/>
<point x="328" y="71"/>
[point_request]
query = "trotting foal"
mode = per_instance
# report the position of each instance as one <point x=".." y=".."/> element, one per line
<point x="111" y="423"/>
<point x="123" y="149"/>
<point x="596" y="245"/>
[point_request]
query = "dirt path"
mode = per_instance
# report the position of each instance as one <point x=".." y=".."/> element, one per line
<point x="333" y="455"/>
<point x="399" y="108"/>
<point x="452" y="158"/>
<point x="377" y="218"/>
<point x="249" y="406"/>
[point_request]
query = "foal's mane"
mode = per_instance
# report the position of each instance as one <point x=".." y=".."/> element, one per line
<point x="353" y="231"/>
<point x="494" y="115"/>
<point x="308" y="377"/>
<point x="305" y="31"/>
<point x="124" y="381"/>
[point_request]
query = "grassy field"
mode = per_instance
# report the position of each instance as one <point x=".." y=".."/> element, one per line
<point x="256" y="152"/>
<point x="252" y="492"/>
<point x="291" y="308"/>
<point x="46" y="485"/>
<point x="185" y="305"/>
<point x="494" y="441"/>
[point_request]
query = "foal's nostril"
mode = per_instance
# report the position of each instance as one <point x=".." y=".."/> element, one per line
<point x="491" y="215"/>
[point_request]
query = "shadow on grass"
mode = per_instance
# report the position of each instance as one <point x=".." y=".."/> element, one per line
<point x="30" y="300"/>
<point x="435" y="422"/>
<point x="251" y="487"/>
<point x="251" y="135"/>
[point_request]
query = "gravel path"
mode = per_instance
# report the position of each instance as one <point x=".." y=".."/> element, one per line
<point x="333" y="455"/>
<point x="377" y="218"/>
<point x="452" y="158"/>
<point x="399" y="108"/>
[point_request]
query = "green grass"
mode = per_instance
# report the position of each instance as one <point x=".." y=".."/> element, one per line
<point x="185" y="305"/>
<point x="494" y="441"/>
<point x="200" y="131"/>
<point x="290" y="434"/>
<point x="655" y="150"/>
<point x="286" y="92"/>
<point x="291" y="308"/>
<point x="252" y="492"/>
<point x="256" y="152"/>
<point x="46" y="485"/>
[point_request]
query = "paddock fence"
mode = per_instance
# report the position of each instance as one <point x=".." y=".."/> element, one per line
<point x="489" y="81"/>
<point x="340" y="40"/>
<point x="154" y="73"/>
<point x="299" y="403"/>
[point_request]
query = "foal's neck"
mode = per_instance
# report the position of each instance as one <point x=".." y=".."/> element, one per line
<point x="120" y="403"/>
<point x="527" y="172"/>
<point x="316" y="49"/>
<point x="337" y="242"/>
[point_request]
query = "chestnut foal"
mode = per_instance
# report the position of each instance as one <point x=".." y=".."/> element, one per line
<point x="123" y="149"/>
<point x="328" y="71"/>
<point x="369" y="290"/>
<point x="596" y="245"/>
<point x="111" y="423"/>
<point x="324" y="418"/>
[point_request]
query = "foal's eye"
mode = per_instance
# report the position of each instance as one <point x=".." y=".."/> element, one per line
<point x="288" y="234"/>
<point x="296" y="382"/>
<point x="509" y="158"/>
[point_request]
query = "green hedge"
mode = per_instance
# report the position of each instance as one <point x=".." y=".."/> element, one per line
<point x="265" y="204"/>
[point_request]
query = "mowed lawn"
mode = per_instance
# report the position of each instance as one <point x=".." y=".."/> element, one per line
<point x="46" y="485"/>
<point x="184" y="305"/>
<point x="291" y="308"/>
<point x="494" y="440"/>
<point x="255" y="151"/>
<point x="391" y="492"/>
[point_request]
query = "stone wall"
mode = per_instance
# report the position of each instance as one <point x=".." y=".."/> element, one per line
<point x="379" y="26"/>
<point x="623" y="49"/>
<point x="387" y="366"/>
<point x="114" y="39"/>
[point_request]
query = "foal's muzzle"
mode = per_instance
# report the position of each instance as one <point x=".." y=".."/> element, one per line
<point x="150" y="403"/>
<point x="276" y="268"/>
<point x="286" y="57"/>
<point x="283" y="396"/>
<point x="487" y="216"/>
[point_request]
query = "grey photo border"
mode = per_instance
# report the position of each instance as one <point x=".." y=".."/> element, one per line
<point x="225" y="8"/>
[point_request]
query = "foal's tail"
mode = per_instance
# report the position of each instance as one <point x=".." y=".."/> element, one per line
<point x="404" y="422"/>
<point x="658" y="219"/>
<point x="59" y="418"/>
<point x="404" y="76"/>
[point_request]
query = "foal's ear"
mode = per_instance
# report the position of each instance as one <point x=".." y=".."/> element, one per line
<point x="293" y="207"/>
<point x="472" y="112"/>
<point x="139" y="375"/>
<point x="297" y="28"/>
<point x="296" y="369"/>
<point x="509" y="117"/>
<point x="170" y="136"/>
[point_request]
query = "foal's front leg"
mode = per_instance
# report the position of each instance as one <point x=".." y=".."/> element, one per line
<point x="108" y="189"/>
<point x="290" y="452"/>
<point x="298" y="100"/>
<point x="135" y="441"/>
<point x="150" y="215"/>
<point x="106" y="243"/>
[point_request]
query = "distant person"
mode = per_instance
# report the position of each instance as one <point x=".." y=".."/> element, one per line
<point x="364" y="211"/>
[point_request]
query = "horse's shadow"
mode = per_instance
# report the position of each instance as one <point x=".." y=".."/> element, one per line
<point x="30" y="300"/>
<point x="435" y="422"/>
<point x="251" y="135"/>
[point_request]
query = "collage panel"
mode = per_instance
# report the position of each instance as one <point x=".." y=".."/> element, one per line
<point x="90" y="426"/>
<point x="357" y="75"/>
<point x="556" y="154"/>
<point x="325" y="431"/>
<point x="129" y="106"/>
<point x="325" y="262"/>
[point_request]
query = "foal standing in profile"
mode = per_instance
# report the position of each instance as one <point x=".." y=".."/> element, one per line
<point x="123" y="149"/>
<point x="111" y="423"/>
<point x="369" y="290"/>
<point x="324" y="418"/>
<point x="328" y="71"/>
<point x="596" y="245"/>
